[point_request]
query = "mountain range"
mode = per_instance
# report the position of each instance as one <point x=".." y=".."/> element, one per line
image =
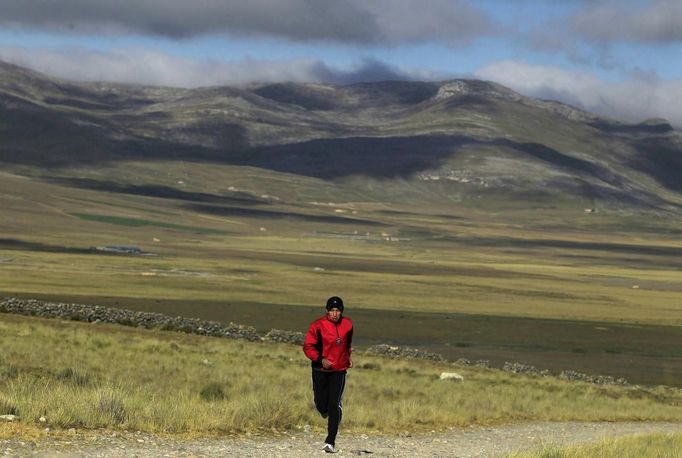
<point x="467" y="141"/>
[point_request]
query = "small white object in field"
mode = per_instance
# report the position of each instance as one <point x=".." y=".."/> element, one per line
<point x="454" y="376"/>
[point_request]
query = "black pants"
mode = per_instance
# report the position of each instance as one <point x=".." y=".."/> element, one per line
<point x="328" y="389"/>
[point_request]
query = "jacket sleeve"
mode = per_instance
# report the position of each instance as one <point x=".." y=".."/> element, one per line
<point x="312" y="346"/>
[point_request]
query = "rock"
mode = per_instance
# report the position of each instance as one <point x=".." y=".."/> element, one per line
<point x="9" y="417"/>
<point x="596" y="379"/>
<point x="292" y="337"/>
<point x="517" y="368"/>
<point x="453" y="376"/>
<point x="404" y="352"/>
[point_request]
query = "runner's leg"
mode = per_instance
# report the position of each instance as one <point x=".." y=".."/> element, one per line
<point x="336" y="386"/>
<point x="321" y="391"/>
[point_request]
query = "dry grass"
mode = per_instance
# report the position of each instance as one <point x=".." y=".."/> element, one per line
<point x="639" y="446"/>
<point x="96" y="376"/>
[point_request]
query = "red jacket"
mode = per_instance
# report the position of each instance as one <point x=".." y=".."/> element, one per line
<point x="326" y="339"/>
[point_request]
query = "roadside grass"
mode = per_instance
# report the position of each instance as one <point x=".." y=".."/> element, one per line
<point x="637" y="446"/>
<point x="104" y="376"/>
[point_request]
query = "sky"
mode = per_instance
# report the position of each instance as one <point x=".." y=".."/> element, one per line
<point x="616" y="58"/>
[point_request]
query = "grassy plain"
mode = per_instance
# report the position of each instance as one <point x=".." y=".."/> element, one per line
<point x="646" y="445"/>
<point x="237" y="241"/>
<point x="105" y="376"/>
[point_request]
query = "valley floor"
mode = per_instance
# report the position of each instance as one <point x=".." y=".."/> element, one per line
<point x="459" y="442"/>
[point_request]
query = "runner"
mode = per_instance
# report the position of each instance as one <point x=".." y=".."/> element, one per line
<point x="328" y="346"/>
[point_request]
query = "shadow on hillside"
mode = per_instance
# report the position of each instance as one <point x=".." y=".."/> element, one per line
<point x="164" y="192"/>
<point x="22" y="245"/>
<point x="633" y="129"/>
<point x="554" y="157"/>
<point x="661" y="160"/>
<point x="256" y="213"/>
<point x="378" y="157"/>
<point x="50" y="138"/>
<point x="648" y="250"/>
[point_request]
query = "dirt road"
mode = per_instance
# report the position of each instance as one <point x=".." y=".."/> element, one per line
<point x="461" y="442"/>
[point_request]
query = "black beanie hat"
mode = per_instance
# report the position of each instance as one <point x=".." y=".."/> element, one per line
<point x="335" y="302"/>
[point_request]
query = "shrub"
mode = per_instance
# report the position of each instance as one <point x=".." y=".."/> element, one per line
<point x="110" y="405"/>
<point x="7" y="407"/>
<point x="212" y="392"/>
<point x="9" y="371"/>
<point x="73" y="376"/>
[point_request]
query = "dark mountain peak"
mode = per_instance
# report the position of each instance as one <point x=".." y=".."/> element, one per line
<point x="6" y="66"/>
<point x="10" y="73"/>
<point x="305" y="95"/>
<point x="324" y="97"/>
<point x="395" y="92"/>
<point x="660" y="124"/>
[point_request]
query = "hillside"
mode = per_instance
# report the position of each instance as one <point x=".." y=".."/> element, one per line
<point x="467" y="141"/>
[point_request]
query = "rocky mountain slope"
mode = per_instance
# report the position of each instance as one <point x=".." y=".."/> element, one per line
<point x="463" y="140"/>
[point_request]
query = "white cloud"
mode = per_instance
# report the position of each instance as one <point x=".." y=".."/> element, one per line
<point x="139" y="66"/>
<point x="633" y="100"/>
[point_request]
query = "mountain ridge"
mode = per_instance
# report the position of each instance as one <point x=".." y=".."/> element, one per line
<point x="470" y="137"/>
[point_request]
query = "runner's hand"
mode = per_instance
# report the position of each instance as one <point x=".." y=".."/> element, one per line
<point x="326" y="364"/>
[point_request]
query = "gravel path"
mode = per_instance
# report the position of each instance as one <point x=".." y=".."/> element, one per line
<point x="461" y="442"/>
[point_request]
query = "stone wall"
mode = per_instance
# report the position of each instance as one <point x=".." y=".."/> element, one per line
<point x="100" y="314"/>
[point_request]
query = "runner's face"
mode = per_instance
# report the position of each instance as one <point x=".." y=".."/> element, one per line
<point x="334" y="315"/>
